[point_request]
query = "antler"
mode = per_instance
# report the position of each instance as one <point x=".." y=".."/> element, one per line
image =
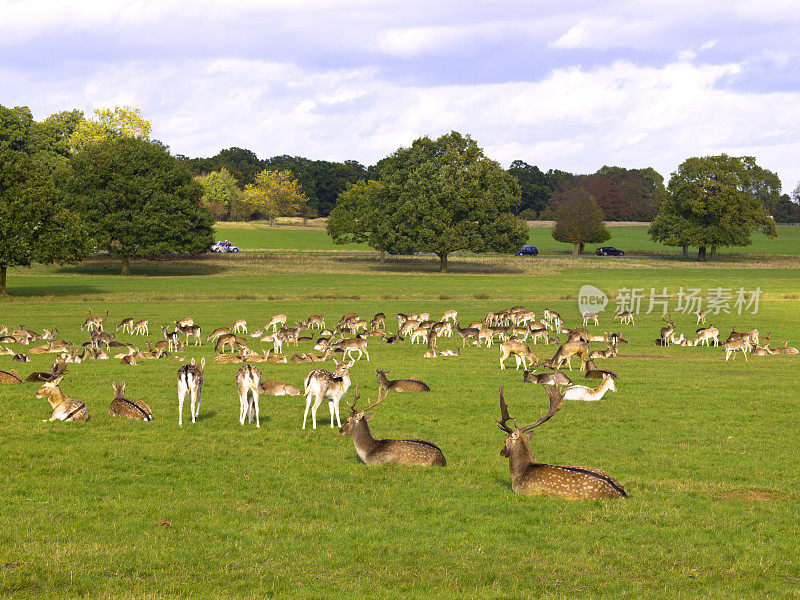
<point x="356" y="396"/>
<point x="556" y="396"/>
<point x="378" y="401"/>
<point x="504" y="416"/>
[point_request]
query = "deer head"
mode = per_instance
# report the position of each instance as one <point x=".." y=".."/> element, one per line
<point x="356" y="416"/>
<point x="519" y="437"/>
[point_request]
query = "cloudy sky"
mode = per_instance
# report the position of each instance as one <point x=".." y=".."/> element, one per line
<point x="567" y="85"/>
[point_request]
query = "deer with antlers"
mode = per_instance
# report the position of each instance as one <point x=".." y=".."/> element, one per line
<point x="64" y="408"/>
<point x="530" y="478"/>
<point x="378" y="452"/>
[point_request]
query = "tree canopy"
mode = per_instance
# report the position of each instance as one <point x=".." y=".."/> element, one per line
<point x="714" y="201"/>
<point x="579" y="220"/>
<point x="276" y="194"/>
<point x="438" y="196"/>
<point x="220" y="192"/>
<point x="138" y="200"/>
<point x="109" y="124"/>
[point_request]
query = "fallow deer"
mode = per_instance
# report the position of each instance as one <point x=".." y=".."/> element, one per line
<point x="530" y="478"/>
<point x="276" y="322"/>
<point x="581" y="392"/>
<point x="667" y="332"/>
<point x="557" y="378"/>
<point x="57" y="370"/>
<point x="731" y="346"/>
<point x="701" y="317"/>
<point x="126" y="325"/>
<point x="521" y="352"/>
<point x="705" y="335"/>
<point x="93" y="322"/>
<point x="400" y="385"/>
<point x="625" y="317"/>
<point x="378" y="452"/>
<point x="324" y="384"/>
<point x="351" y="345"/>
<point x="190" y="330"/>
<point x="239" y="326"/>
<point x="450" y="315"/>
<point x="278" y="388"/>
<point x="10" y="376"/>
<point x="123" y="407"/>
<point x="190" y="380"/>
<point x="787" y="349"/>
<point x="226" y="339"/>
<point x="566" y="351"/>
<point x="248" y="381"/>
<point x="587" y="316"/>
<point x="218" y="332"/>
<point x="141" y="327"/>
<point x="64" y="408"/>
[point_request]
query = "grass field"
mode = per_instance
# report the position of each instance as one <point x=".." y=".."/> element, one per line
<point x="631" y="239"/>
<point x="707" y="450"/>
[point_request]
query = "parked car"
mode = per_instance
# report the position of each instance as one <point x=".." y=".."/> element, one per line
<point x="225" y="246"/>
<point x="609" y="251"/>
<point x="527" y="251"/>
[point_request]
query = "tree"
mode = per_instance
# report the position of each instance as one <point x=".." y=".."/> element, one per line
<point x="220" y="192"/>
<point x="138" y="199"/>
<point x="34" y="225"/>
<point x="579" y="220"/>
<point x="444" y="195"/>
<point x="276" y="194"/>
<point x="786" y="211"/>
<point x="534" y="187"/>
<point x="715" y="199"/>
<point x="609" y="198"/>
<point x="110" y="124"/>
<point x="357" y="217"/>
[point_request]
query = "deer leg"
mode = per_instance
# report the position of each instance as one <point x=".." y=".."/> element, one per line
<point x="331" y="408"/>
<point x="308" y="403"/>
<point x="180" y="407"/>
<point x="255" y="406"/>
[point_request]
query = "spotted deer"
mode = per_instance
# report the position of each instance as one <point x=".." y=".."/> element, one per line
<point x="581" y="392"/>
<point x="625" y="317"/>
<point x="530" y="478"/>
<point x="239" y="326"/>
<point x="378" y="452"/>
<point x="126" y="325"/>
<point x="731" y="346"/>
<point x="557" y="378"/>
<point x="521" y="352"/>
<point x="248" y="382"/>
<point x="706" y="335"/>
<point x="122" y="407"/>
<point x="787" y="349"/>
<point x="141" y="327"/>
<point x="93" y="322"/>
<point x="590" y="316"/>
<point x="190" y="380"/>
<point x="701" y="317"/>
<point x="324" y="384"/>
<point x="278" y="388"/>
<point x="276" y="323"/>
<point x="190" y="330"/>
<point x="400" y="385"/>
<point x="64" y="408"/>
<point x="171" y="337"/>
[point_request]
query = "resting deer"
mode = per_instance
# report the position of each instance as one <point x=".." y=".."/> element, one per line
<point x="400" y="385"/>
<point x="190" y="379"/>
<point x="248" y="382"/>
<point x="787" y="349"/>
<point x="324" y="384"/>
<point x="557" y="378"/>
<point x="122" y="407"/>
<point x="530" y="478"/>
<point x="378" y="452"/>
<point x="581" y="392"/>
<point x="64" y="408"/>
<point x="278" y="388"/>
<point x="521" y="352"/>
<point x="57" y="370"/>
<point x="10" y="376"/>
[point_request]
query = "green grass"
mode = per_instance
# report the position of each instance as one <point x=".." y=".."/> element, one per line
<point x="707" y="450"/>
<point x="633" y="239"/>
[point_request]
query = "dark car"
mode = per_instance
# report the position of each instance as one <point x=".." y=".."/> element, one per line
<point x="527" y="251"/>
<point x="609" y="251"/>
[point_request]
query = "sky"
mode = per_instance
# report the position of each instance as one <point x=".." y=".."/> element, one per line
<point x="569" y="85"/>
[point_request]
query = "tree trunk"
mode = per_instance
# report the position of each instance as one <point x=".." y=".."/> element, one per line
<point x="714" y="251"/>
<point x="686" y="252"/>
<point x="443" y="263"/>
<point x="3" y="269"/>
<point x="575" y="249"/>
<point x="580" y="248"/>
<point x="126" y="265"/>
<point x="701" y="254"/>
<point x="383" y="256"/>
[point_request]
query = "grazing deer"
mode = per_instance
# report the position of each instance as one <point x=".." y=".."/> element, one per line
<point x="276" y="322"/>
<point x="400" y="385"/>
<point x="126" y="325"/>
<point x="239" y="326"/>
<point x="226" y="339"/>
<point x="324" y="384"/>
<point x="122" y="407"/>
<point x="521" y="352"/>
<point x="248" y="382"/>
<point x="787" y="349"/>
<point x="93" y="322"/>
<point x="530" y="478"/>
<point x="10" y="376"/>
<point x="378" y="322"/>
<point x="557" y="378"/>
<point x="701" y="317"/>
<point x="450" y="315"/>
<point x="581" y="392"/>
<point x="706" y="335"/>
<point x="625" y="317"/>
<point x="351" y="345"/>
<point x="378" y="452"/>
<point x="278" y="388"/>
<point x="218" y="332"/>
<point x="731" y="346"/>
<point x="64" y="408"/>
<point x="190" y="379"/>
<point x="566" y="351"/>
<point x="141" y="327"/>
<point x="185" y="322"/>
<point x="587" y="316"/>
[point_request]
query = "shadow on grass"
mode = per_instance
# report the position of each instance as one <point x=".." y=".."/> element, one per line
<point x="427" y="264"/>
<point x="160" y="268"/>
<point x="33" y="291"/>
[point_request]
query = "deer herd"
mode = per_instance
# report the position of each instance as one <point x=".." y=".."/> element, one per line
<point x="512" y="328"/>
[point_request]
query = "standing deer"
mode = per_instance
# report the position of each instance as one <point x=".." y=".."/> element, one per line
<point x="378" y="452"/>
<point x="248" y="381"/>
<point x="141" y="327"/>
<point x="64" y="408"/>
<point x="530" y="478"/>
<point x="190" y="379"/>
<point x="587" y="316"/>
<point x="706" y="335"/>
<point x="324" y="384"/>
<point x="239" y="326"/>
<point x="275" y="322"/>
<point x="126" y="325"/>
<point x="93" y="322"/>
<point x="400" y="385"/>
<point x="122" y="407"/>
<point x="701" y="317"/>
<point x="731" y="346"/>
<point x="625" y="317"/>
<point x="667" y="332"/>
<point x="521" y="353"/>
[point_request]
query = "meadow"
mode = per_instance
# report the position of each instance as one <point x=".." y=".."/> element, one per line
<point x="633" y="239"/>
<point x="706" y="449"/>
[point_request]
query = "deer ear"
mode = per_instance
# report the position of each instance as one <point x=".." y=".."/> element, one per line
<point x="203" y="362"/>
<point x="192" y="360"/>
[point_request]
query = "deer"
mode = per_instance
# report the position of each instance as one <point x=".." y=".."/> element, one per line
<point x="731" y="346"/>
<point x="185" y="322"/>
<point x="126" y="325"/>
<point x="450" y="315"/>
<point x="581" y="392"/>
<point x="667" y="332"/>
<point x="278" y="388"/>
<point x="378" y="322"/>
<point x="226" y="339"/>
<point x="218" y="332"/>
<point x="141" y="327"/>
<point x="239" y="326"/>
<point x="566" y="351"/>
<point x="172" y="339"/>
<point x="190" y="330"/>
<point x="378" y="452"/>
<point x="351" y="345"/>
<point x="625" y="317"/>
<point x="787" y="349"/>
<point x="275" y="322"/>
<point x="122" y="407"/>
<point x="93" y="322"/>
<point x="190" y="380"/>
<point x="10" y="376"/>
<point x="557" y="378"/>
<point x="324" y="384"/>
<point x="705" y="335"/>
<point x="64" y="408"/>
<point x="248" y="382"/>
<point x="587" y="316"/>
<point x="529" y="478"/>
<point x="57" y="370"/>
<point x="701" y="317"/>
<point x="400" y="385"/>
<point x="609" y="352"/>
<point x="521" y="352"/>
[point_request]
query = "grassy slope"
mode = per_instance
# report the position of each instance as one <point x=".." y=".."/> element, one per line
<point x="123" y="509"/>
<point x="631" y="239"/>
